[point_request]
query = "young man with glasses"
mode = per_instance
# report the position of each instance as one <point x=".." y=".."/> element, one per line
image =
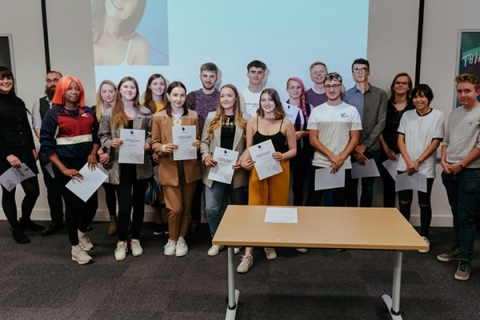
<point x="54" y="198"/>
<point x="371" y="103"/>
<point x="334" y="130"/>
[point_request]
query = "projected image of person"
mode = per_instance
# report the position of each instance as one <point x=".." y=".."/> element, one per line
<point x="272" y="124"/>
<point x="224" y="128"/>
<point x="106" y="97"/>
<point x="419" y="135"/>
<point x="130" y="179"/>
<point x="178" y="178"/>
<point x="69" y="139"/>
<point x="156" y="100"/>
<point x="115" y="40"/>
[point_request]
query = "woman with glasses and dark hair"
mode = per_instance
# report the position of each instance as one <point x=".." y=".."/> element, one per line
<point x="419" y="135"/>
<point x="399" y="102"/>
<point x="17" y="147"/>
<point x="115" y="41"/>
<point x="69" y="139"/>
<point x="272" y="124"/>
<point x="130" y="179"/>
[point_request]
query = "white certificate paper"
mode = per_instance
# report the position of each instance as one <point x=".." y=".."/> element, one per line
<point x="391" y="166"/>
<point x="265" y="164"/>
<point x="132" y="149"/>
<point x="281" y="215"/>
<point x="92" y="180"/>
<point x="291" y="112"/>
<point x="368" y="170"/>
<point x="223" y="170"/>
<point x="13" y="176"/>
<point x="324" y="179"/>
<point x="416" y="181"/>
<point x="183" y="137"/>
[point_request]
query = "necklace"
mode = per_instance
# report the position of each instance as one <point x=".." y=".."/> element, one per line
<point x="229" y="122"/>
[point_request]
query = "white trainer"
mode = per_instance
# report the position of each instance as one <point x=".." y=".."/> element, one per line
<point x="169" y="248"/>
<point x="182" y="248"/>
<point x="136" y="248"/>
<point x="428" y="243"/>
<point x="121" y="250"/>
<point x="80" y="256"/>
<point x="214" y="250"/>
<point x="84" y="241"/>
<point x="270" y="253"/>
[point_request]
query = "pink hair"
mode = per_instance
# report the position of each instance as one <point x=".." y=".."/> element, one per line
<point x="302" y="96"/>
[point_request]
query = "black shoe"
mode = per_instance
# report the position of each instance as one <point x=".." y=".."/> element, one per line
<point x="19" y="236"/>
<point x="28" y="224"/>
<point x="158" y="229"/>
<point x="52" y="228"/>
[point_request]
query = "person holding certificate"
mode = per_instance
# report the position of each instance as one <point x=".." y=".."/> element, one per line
<point x="17" y="147"/>
<point x="178" y="178"/>
<point x="130" y="178"/>
<point x="271" y="123"/>
<point x="224" y="128"/>
<point x="69" y="139"/>
<point x="419" y="135"/>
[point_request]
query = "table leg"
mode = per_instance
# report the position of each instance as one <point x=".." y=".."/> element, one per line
<point x="393" y="304"/>
<point x="233" y="294"/>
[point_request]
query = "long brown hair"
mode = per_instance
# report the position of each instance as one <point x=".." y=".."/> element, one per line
<point x="118" y="113"/>
<point x="168" y="107"/>
<point x="220" y="116"/>
<point x="393" y="95"/>
<point x="148" y="99"/>
<point x="279" y="111"/>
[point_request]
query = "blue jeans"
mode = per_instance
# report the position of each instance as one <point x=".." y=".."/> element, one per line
<point x="214" y="198"/>
<point x="366" y="199"/>
<point x="463" y="191"/>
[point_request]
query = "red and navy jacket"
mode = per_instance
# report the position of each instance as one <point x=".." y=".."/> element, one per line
<point x="69" y="136"/>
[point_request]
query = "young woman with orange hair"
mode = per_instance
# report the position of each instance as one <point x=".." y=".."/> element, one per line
<point x="69" y="139"/>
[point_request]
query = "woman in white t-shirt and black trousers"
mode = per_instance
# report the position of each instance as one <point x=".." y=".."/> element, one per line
<point x="419" y="135"/>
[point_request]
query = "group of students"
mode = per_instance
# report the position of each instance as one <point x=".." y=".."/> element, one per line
<point x="324" y="127"/>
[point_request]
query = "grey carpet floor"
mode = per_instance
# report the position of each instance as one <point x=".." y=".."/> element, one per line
<point x="40" y="281"/>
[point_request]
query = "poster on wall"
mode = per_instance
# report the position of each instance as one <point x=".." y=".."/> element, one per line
<point x="468" y="53"/>
<point x="6" y="52"/>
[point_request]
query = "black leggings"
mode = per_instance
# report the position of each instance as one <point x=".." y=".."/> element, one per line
<point x="405" y="200"/>
<point x="110" y="198"/>
<point x="31" y="190"/>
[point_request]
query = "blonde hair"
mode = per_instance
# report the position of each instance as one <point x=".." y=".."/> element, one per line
<point x="100" y="107"/>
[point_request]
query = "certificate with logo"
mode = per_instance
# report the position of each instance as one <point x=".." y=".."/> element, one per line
<point x="223" y="170"/>
<point x="91" y="181"/>
<point x="265" y="164"/>
<point x="132" y="149"/>
<point x="13" y="176"/>
<point x="183" y="137"/>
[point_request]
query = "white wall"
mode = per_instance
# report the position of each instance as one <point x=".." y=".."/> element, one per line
<point x="391" y="49"/>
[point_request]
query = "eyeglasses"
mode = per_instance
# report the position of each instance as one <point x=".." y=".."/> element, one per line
<point x="360" y="70"/>
<point x="332" y="86"/>
<point x="295" y="88"/>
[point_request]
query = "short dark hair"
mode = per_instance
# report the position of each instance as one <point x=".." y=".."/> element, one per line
<point x="57" y="72"/>
<point x="361" y="61"/>
<point x="209" y="66"/>
<point x="256" y="64"/>
<point x="424" y="90"/>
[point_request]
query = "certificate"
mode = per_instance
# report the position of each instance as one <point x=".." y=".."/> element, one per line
<point x="369" y="169"/>
<point x="265" y="164"/>
<point x="223" y="170"/>
<point x="13" y="176"/>
<point x="292" y="112"/>
<point x="324" y="179"/>
<point x="183" y="137"/>
<point x="391" y="166"/>
<point x="281" y="215"/>
<point x="92" y="180"/>
<point x="416" y="181"/>
<point x="132" y="149"/>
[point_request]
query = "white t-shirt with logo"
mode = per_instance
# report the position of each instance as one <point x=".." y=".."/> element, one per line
<point x="419" y="131"/>
<point x="251" y="101"/>
<point x="333" y="124"/>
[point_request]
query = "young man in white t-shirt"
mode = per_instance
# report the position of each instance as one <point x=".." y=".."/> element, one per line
<point x="334" y="130"/>
<point x="256" y="71"/>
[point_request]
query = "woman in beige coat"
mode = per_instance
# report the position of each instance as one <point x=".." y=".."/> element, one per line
<point x="178" y="178"/>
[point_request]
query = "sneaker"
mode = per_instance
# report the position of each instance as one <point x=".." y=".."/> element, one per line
<point x="463" y="271"/>
<point x="270" y="253"/>
<point x="28" y="224"/>
<point x="236" y="250"/>
<point x="165" y="228"/>
<point x="214" y="250"/>
<point x="301" y="250"/>
<point x="80" y="256"/>
<point x="136" y="248"/>
<point x="245" y="264"/>
<point x="428" y="243"/>
<point x="84" y="241"/>
<point x="158" y="229"/>
<point x="449" y="256"/>
<point x="169" y="248"/>
<point x="121" y="251"/>
<point x="181" y="248"/>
